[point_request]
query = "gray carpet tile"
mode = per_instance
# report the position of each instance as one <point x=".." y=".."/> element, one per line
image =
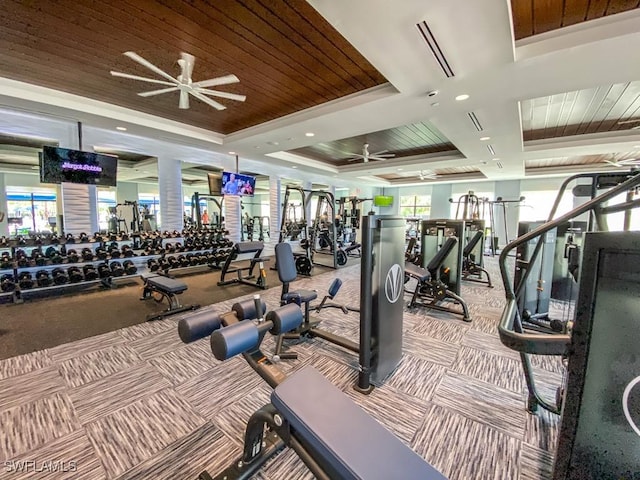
<point x="232" y="420"/>
<point x="14" y="366"/>
<point x="220" y="386"/>
<point x="84" y="346"/>
<point x="31" y="425"/>
<point x="146" y="329"/>
<point x="416" y="377"/>
<point x="15" y="391"/>
<point x="547" y="383"/>
<point x="463" y="449"/>
<point x="69" y="457"/>
<point x="102" y="397"/>
<point x="341" y="375"/>
<point x="430" y="349"/>
<point x="552" y="363"/>
<point x="136" y="432"/>
<point x="446" y="331"/>
<point x="535" y="464"/>
<point x="186" y="362"/>
<point x="287" y="466"/>
<point x="541" y="429"/>
<point x="157" y="344"/>
<point x="101" y="363"/>
<point x="488" y="342"/>
<point x="484" y="321"/>
<point x="496" y="369"/>
<point x="206" y="448"/>
<point x="482" y="402"/>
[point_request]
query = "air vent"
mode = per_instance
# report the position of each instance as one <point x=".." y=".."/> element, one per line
<point x="491" y="150"/>
<point x="475" y="121"/>
<point x="435" y="48"/>
<point x="499" y="164"/>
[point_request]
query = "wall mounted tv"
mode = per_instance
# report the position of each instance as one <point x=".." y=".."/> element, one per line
<point x="237" y="184"/>
<point x="215" y="183"/>
<point x="58" y="165"/>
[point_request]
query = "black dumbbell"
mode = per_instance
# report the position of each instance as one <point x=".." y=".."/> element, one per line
<point x="5" y="261"/>
<point x="184" y="261"/>
<point x="50" y="251"/>
<point x="38" y="258"/>
<point x="97" y="237"/>
<point x="87" y="254"/>
<point x="114" y="251"/>
<point x="83" y="238"/>
<point x="129" y="267"/>
<point x="43" y="278"/>
<point x="153" y="265"/>
<point x="75" y="275"/>
<point x="25" y="280"/>
<point x="90" y="272"/>
<point x="7" y="283"/>
<point x="169" y="247"/>
<point x="60" y="277"/>
<point x="178" y="247"/>
<point x="101" y="253"/>
<point x="103" y="270"/>
<point x="69" y="238"/>
<point x="164" y="264"/>
<point x="127" y="251"/>
<point x="72" y="256"/>
<point x="116" y="269"/>
<point x="173" y="262"/>
<point x="124" y="236"/>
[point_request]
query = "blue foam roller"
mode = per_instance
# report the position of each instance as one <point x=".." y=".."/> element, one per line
<point x="246" y="310"/>
<point x="234" y="339"/>
<point x="197" y="326"/>
<point x="285" y="318"/>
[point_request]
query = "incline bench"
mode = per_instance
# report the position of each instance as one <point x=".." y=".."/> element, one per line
<point x="239" y="249"/>
<point x="160" y="287"/>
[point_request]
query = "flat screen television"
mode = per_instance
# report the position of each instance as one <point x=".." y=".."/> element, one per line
<point x="215" y="183"/>
<point x="58" y="165"/>
<point x="237" y="184"/>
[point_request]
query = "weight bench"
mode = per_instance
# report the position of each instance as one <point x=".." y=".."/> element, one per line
<point x="238" y="249"/>
<point x="334" y="437"/>
<point x="430" y="287"/>
<point x="160" y="287"/>
<point x="469" y="265"/>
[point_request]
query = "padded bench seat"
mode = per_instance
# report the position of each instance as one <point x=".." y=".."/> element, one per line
<point x="166" y="284"/>
<point x="168" y="289"/>
<point x="415" y="271"/>
<point x="341" y="435"/>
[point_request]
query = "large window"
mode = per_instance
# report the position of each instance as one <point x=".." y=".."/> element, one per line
<point x="457" y="207"/>
<point x="537" y="205"/>
<point x="106" y="200"/>
<point x="152" y="203"/>
<point x="415" y="206"/>
<point x="31" y="210"/>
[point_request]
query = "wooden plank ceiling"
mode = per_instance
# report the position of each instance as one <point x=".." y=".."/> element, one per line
<point x="603" y="160"/>
<point x="287" y="57"/>
<point x="415" y="139"/>
<point x="601" y="109"/>
<point x="532" y="17"/>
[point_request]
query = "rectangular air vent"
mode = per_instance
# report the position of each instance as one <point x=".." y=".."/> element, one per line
<point x="491" y="150"/>
<point x="475" y="121"/>
<point x="499" y="164"/>
<point x="435" y="48"/>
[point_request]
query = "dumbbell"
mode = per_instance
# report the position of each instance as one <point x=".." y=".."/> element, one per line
<point x="60" y="277"/>
<point x="87" y="254"/>
<point x="7" y="283"/>
<point x="90" y="272"/>
<point x="103" y="270"/>
<point x="169" y="247"/>
<point x="25" y="280"/>
<point x="127" y="251"/>
<point x="178" y="247"/>
<point x="116" y="269"/>
<point x="4" y="241"/>
<point x="22" y="259"/>
<point x="43" y="278"/>
<point x="114" y="251"/>
<point x="72" y="256"/>
<point x="184" y="261"/>
<point x="50" y="251"/>
<point x="83" y="238"/>
<point x="69" y="238"/>
<point x="38" y="258"/>
<point x="5" y="261"/>
<point x="124" y="236"/>
<point x="164" y="264"/>
<point x="153" y="265"/>
<point x="75" y="275"/>
<point x="97" y="237"/>
<point x="173" y="262"/>
<point x="101" y="253"/>
<point x="129" y="267"/>
<point x="54" y="239"/>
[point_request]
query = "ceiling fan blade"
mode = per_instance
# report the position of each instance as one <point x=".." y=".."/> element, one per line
<point x="208" y="101"/>
<point x="137" y="58"/>
<point x="157" y="92"/>
<point x="216" y="93"/>
<point x="354" y="159"/>
<point x="212" y="82"/>
<point x="142" y="79"/>
<point x="184" y="100"/>
<point x="187" y="64"/>
<point x="372" y="157"/>
<point x="381" y="151"/>
<point x="613" y="162"/>
<point x="384" y="155"/>
<point x="622" y="122"/>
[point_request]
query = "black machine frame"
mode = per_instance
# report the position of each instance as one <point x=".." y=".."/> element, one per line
<point x="218" y="200"/>
<point x="441" y="229"/>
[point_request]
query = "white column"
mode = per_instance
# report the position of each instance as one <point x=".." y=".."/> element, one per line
<point x="170" y="183"/>
<point x="4" y="211"/>
<point x="80" y="207"/>
<point x="275" y="208"/>
<point x="232" y="212"/>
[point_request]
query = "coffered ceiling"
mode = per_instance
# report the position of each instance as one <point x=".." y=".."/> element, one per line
<point x="551" y="86"/>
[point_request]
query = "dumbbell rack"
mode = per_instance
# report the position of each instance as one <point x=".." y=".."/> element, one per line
<point x="139" y="259"/>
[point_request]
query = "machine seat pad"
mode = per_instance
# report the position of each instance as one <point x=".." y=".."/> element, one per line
<point x="413" y="270"/>
<point x="341" y="434"/>
<point x="166" y="284"/>
<point x="305" y="296"/>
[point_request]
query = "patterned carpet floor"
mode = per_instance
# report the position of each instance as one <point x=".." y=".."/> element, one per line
<point x="136" y="403"/>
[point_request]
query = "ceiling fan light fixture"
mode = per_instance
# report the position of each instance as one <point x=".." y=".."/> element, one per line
<point x="462" y="97"/>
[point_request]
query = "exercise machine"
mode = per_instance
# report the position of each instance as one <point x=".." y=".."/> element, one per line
<point x="470" y="204"/>
<point x="160" y="287"/>
<point x="501" y="204"/>
<point x="472" y="255"/>
<point x="434" y="234"/>
<point x="243" y="248"/>
<point x="381" y="306"/>
<point x="216" y="218"/>
<point x="323" y="238"/>
<point x="293" y="227"/>
<point x="333" y="437"/>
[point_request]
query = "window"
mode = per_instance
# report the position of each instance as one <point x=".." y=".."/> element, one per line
<point x="457" y="207"/>
<point x="31" y="210"/>
<point x="537" y="205"/>
<point x="415" y="206"/>
<point x="106" y="200"/>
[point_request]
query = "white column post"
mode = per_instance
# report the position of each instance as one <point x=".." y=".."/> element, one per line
<point x="170" y="183"/>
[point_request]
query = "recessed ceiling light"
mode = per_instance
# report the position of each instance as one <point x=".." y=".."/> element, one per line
<point x="435" y="104"/>
<point x="232" y="153"/>
<point x="273" y="143"/>
<point x="309" y="134"/>
<point x="495" y="159"/>
<point x="122" y="129"/>
<point x="399" y="169"/>
<point x="464" y="96"/>
<point x="294" y="167"/>
<point x="484" y="139"/>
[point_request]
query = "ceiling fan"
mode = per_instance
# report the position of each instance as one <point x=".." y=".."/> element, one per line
<point x="183" y="82"/>
<point x="630" y="162"/>
<point x="637" y="120"/>
<point x="427" y="175"/>
<point x="366" y="156"/>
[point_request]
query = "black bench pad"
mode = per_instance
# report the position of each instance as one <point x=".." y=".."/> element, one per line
<point x="415" y="271"/>
<point x="342" y="434"/>
<point x="166" y="284"/>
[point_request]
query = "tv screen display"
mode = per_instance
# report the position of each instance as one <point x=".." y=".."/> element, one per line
<point x="60" y="165"/>
<point x="215" y="183"/>
<point x="237" y="184"/>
